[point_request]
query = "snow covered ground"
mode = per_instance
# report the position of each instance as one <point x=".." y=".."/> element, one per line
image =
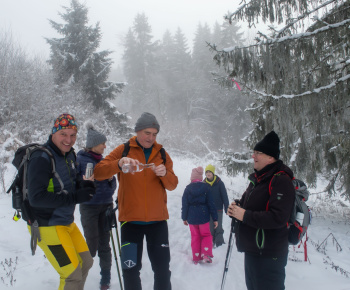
<point x="326" y="269"/>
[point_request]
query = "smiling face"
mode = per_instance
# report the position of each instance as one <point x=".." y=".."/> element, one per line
<point x="99" y="149"/>
<point x="261" y="160"/>
<point x="146" y="137"/>
<point x="64" y="139"/>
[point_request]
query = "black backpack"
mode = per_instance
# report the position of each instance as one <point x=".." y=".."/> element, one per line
<point x="19" y="189"/>
<point x="127" y="149"/>
<point x="19" y="185"/>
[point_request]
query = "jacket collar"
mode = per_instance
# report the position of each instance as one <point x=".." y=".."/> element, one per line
<point x="133" y="142"/>
<point x="267" y="172"/>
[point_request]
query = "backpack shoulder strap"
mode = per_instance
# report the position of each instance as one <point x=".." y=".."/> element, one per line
<point x="270" y="184"/>
<point x="162" y="153"/>
<point x="126" y="149"/>
<point x="53" y="168"/>
<point x="276" y="174"/>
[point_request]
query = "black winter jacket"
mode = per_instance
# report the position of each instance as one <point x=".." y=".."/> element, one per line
<point x="264" y="227"/>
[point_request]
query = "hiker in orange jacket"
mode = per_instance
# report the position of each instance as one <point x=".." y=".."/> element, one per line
<point x="142" y="201"/>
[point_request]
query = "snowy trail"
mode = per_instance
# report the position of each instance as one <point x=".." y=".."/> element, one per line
<point x="34" y="272"/>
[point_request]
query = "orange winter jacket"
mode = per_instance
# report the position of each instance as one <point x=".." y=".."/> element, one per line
<point x="141" y="196"/>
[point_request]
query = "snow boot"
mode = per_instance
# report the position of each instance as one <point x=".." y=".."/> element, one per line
<point x="207" y="259"/>
<point x="105" y="279"/>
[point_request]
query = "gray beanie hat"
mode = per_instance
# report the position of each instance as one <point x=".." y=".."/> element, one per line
<point x="147" y="120"/>
<point x="93" y="138"/>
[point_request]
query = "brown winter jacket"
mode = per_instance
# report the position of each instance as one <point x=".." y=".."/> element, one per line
<point x="141" y="196"/>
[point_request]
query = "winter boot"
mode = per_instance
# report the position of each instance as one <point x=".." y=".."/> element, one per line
<point x="207" y="259"/>
<point x="105" y="279"/>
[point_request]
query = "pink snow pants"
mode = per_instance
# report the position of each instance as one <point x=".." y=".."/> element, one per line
<point x="201" y="241"/>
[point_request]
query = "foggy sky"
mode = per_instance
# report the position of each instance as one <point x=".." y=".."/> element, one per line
<point x="27" y="20"/>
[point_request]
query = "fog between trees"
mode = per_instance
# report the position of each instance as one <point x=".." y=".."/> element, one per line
<point x="294" y="80"/>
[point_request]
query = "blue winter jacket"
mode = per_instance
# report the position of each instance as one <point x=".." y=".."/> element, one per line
<point x="219" y="192"/>
<point x="198" y="204"/>
<point x="49" y="205"/>
<point x="105" y="188"/>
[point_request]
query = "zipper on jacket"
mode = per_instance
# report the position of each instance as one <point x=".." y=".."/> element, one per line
<point x="70" y="176"/>
<point x="262" y="244"/>
<point x="250" y="193"/>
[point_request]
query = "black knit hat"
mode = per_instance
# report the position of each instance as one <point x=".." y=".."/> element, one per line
<point x="270" y="145"/>
<point x="147" y="120"/>
<point x="93" y="137"/>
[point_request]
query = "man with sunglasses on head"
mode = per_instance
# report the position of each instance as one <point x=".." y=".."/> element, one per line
<point x="263" y="213"/>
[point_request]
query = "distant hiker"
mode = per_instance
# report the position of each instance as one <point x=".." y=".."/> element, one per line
<point x="58" y="236"/>
<point x="197" y="208"/>
<point x="262" y="233"/>
<point x="142" y="200"/>
<point x="93" y="212"/>
<point x="219" y="192"/>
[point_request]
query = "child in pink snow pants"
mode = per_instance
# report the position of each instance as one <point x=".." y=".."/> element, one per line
<point x="197" y="207"/>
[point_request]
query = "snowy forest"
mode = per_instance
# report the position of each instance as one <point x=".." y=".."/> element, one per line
<point x="216" y="98"/>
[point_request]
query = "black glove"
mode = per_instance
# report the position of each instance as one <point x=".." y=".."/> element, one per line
<point x="86" y="184"/>
<point x="84" y="194"/>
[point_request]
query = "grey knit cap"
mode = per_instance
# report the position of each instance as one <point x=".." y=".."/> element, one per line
<point x="93" y="137"/>
<point x="147" y="120"/>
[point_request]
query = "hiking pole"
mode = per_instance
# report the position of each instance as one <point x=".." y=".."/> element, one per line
<point x="228" y="254"/>
<point x="111" y="222"/>
<point x="116" y="226"/>
<point x="116" y="260"/>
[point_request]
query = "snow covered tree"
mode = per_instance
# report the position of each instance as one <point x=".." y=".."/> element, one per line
<point x="139" y="63"/>
<point x="96" y="86"/>
<point x="79" y="41"/>
<point x="200" y="54"/>
<point x="130" y="65"/>
<point x="74" y="58"/>
<point x="231" y="35"/>
<point x="228" y="114"/>
<point x="177" y="64"/>
<point x="299" y="74"/>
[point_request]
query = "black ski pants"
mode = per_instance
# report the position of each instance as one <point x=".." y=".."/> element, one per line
<point x="218" y="233"/>
<point x="93" y="220"/>
<point x="264" y="273"/>
<point x="158" y="252"/>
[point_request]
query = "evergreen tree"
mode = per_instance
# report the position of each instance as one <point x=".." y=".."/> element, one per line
<point x="230" y="35"/>
<point x="216" y="36"/>
<point x="74" y="58"/>
<point x="145" y="48"/>
<point x="97" y="88"/>
<point x="181" y="68"/>
<point x="130" y="65"/>
<point x="300" y="77"/>
<point x="139" y="64"/>
<point x="79" y="41"/>
<point x="200" y="53"/>
<point x="182" y="52"/>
